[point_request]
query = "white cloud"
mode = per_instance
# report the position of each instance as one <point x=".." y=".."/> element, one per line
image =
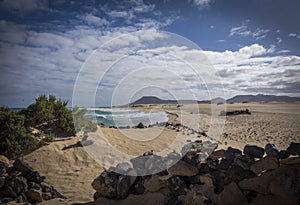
<point x="92" y="20"/>
<point x="201" y="3"/>
<point x="240" y="30"/>
<point x="292" y="34"/>
<point x="212" y="27"/>
<point x="279" y="40"/>
<point x="260" y="33"/>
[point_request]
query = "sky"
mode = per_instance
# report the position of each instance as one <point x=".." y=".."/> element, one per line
<point x="75" y="49"/>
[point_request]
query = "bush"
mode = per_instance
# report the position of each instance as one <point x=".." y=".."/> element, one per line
<point x="82" y="121"/>
<point x="13" y="136"/>
<point x="49" y="112"/>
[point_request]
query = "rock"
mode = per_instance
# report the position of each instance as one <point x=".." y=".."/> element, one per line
<point x="208" y="147"/>
<point x="267" y="200"/>
<point x="232" y="153"/>
<point x="207" y="179"/>
<point x="2" y="182"/>
<point x="138" y="187"/>
<point x="47" y="195"/>
<point x="289" y="161"/>
<point x="294" y="148"/>
<point x="46" y="187"/>
<point x="172" y="201"/>
<point x="132" y="176"/>
<point x="282" y="182"/>
<point x="22" y="166"/>
<point x="231" y="195"/>
<point x="241" y="163"/>
<point x="106" y="184"/>
<point x="138" y="164"/>
<point x="145" y="199"/>
<point x="192" y="198"/>
<point x="265" y="164"/>
<point x="18" y="185"/>
<point x="4" y="162"/>
<point x="271" y="150"/>
<point x="254" y="151"/>
<point x="217" y="154"/>
<point x="140" y="125"/>
<point x="181" y="168"/>
<point x="237" y="173"/>
<point x="174" y="183"/>
<point x="224" y="164"/>
<point x="153" y="184"/>
<point x="123" y="167"/>
<point x="154" y="164"/>
<point x="283" y="154"/>
<point x="123" y="186"/>
<point x="35" y="195"/>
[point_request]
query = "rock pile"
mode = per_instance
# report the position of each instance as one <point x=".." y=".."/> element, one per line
<point x="22" y="184"/>
<point x="236" y="112"/>
<point x="254" y="175"/>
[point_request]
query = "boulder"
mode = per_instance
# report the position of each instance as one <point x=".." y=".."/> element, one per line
<point x="231" y="195"/>
<point x="34" y="195"/>
<point x="294" y="148"/>
<point x="106" y="184"/>
<point x="290" y="161"/>
<point x="153" y="184"/>
<point x="182" y="168"/>
<point x="175" y="184"/>
<point x="4" y="162"/>
<point x="217" y="154"/>
<point x="207" y="179"/>
<point x="140" y="125"/>
<point x="265" y="164"/>
<point x="282" y="183"/>
<point x="22" y="166"/>
<point x="2" y="182"/>
<point x="46" y="196"/>
<point x="232" y="153"/>
<point x="208" y="146"/>
<point x="255" y="151"/>
<point x="123" y="186"/>
<point x="271" y="150"/>
<point x="241" y="163"/>
<point x="18" y="185"/>
<point x="283" y="154"/>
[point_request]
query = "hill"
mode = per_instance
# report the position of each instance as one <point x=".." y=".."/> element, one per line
<point x="236" y="99"/>
<point x="262" y="98"/>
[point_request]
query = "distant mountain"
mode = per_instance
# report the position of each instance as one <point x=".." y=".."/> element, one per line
<point x="262" y="98"/>
<point x="235" y="99"/>
<point x="155" y="100"/>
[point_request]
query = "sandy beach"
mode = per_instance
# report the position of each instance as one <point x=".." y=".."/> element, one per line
<point x="71" y="170"/>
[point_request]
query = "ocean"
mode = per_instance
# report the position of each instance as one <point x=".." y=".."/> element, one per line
<point x="125" y="118"/>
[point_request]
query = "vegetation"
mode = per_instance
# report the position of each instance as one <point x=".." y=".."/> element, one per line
<point x="80" y="120"/>
<point x="45" y="116"/>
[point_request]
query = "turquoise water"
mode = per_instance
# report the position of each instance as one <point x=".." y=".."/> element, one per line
<point x="125" y="118"/>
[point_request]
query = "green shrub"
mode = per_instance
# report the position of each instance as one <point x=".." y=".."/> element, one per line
<point x="49" y="112"/>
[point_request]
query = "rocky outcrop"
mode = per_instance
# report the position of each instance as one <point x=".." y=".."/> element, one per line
<point x="22" y="184"/>
<point x="225" y="177"/>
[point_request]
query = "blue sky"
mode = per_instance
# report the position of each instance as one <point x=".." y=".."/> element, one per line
<point x="254" y="46"/>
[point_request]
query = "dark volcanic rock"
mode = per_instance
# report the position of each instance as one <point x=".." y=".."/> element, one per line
<point x="18" y="185"/>
<point x="231" y="195"/>
<point x="140" y="125"/>
<point x="232" y="153"/>
<point x="283" y="154"/>
<point x="265" y="164"/>
<point x="123" y="186"/>
<point x="294" y="148"/>
<point x="271" y="150"/>
<point x="182" y="168"/>
<point x="22" y="166"/>
<point x="254" y="151"/>
<point x="106" y="184"/>
<point x="175" y="184"/>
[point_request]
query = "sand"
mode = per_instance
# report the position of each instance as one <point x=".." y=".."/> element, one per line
<point x="71" y="171"/>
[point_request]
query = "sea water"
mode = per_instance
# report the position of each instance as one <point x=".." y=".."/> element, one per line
<point x="125" y="118"/>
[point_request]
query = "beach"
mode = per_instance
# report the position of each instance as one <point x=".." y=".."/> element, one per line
<point x="72" y="170"/>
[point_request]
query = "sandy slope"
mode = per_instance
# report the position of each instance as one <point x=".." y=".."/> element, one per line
<point x="72" y="170"/>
